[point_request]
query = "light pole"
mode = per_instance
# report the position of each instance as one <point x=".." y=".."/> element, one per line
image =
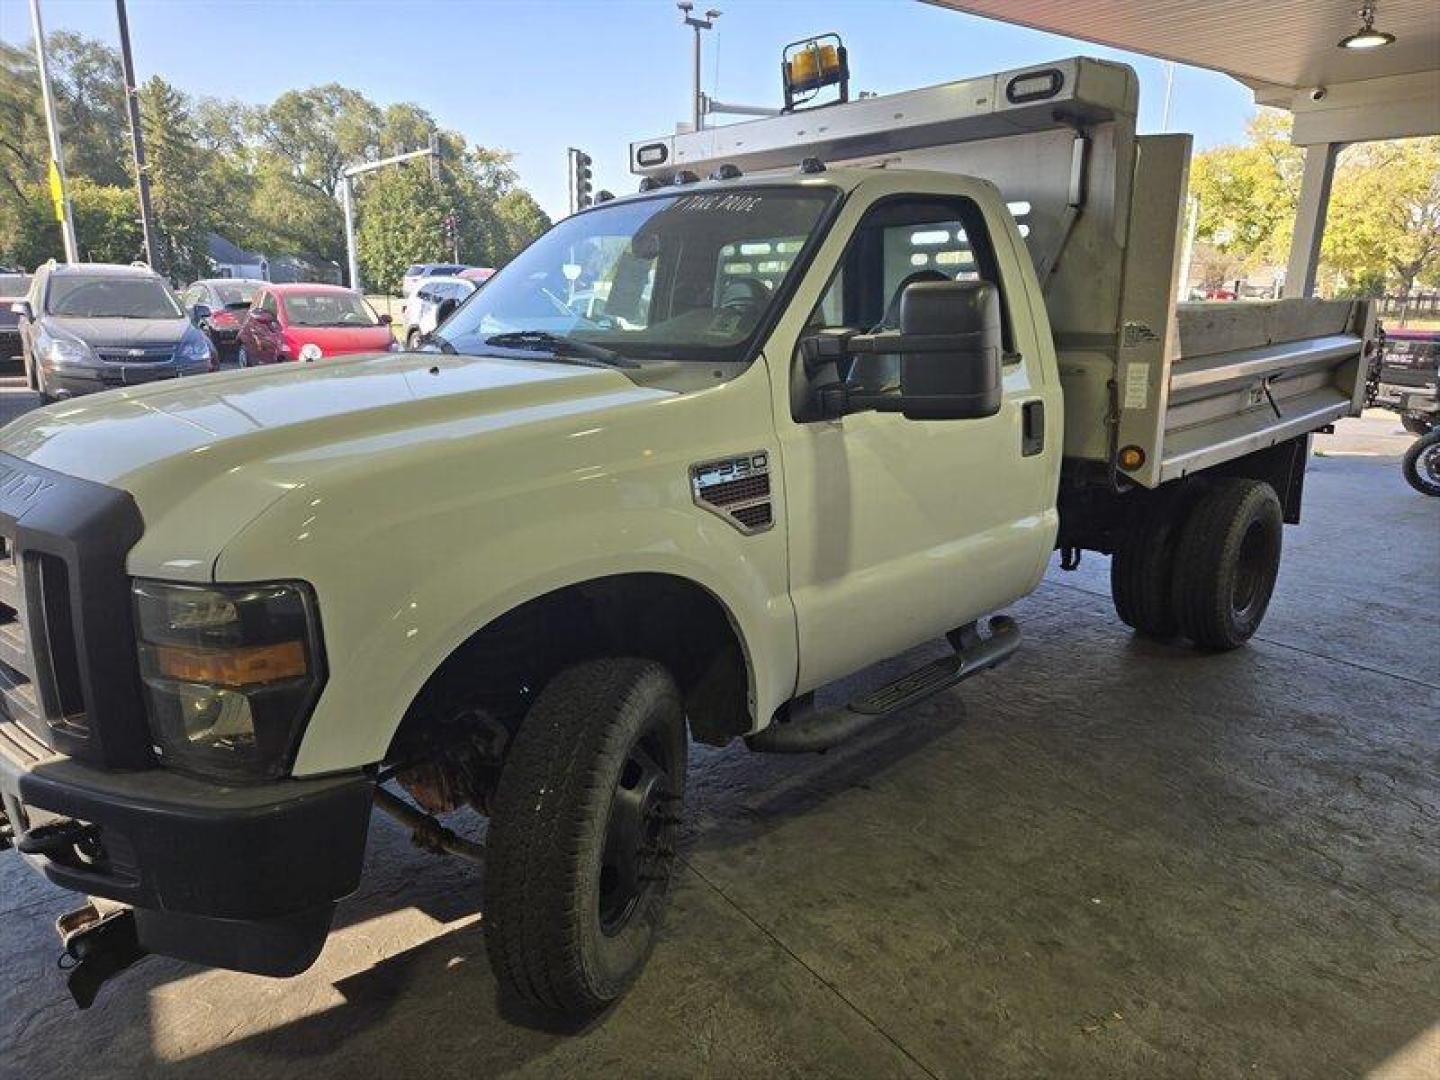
<point x="347" y="199"/>
<point x="58" y="192"/>
<point x="705" y="23"/>
<point x="137" y="141"/>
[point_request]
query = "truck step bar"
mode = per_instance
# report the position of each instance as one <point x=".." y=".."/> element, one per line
<point x="803" y="730"/>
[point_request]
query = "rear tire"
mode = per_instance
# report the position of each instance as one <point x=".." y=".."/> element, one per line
<point x="1225" y="563"/>
<point x="581" y="841"/>
<point x="1142" y="568"/>
<point x="1422" y="465"/>
<point x="1416" y="425"/>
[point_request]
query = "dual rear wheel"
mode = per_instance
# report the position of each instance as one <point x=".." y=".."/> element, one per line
<point x="1200" y="566"/>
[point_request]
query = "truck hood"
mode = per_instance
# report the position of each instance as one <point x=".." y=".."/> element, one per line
<point x="206" y="455"/>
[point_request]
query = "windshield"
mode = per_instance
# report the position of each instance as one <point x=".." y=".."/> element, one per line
<point x="678" y="277"/>
<point x="328" y="309"/>
<point x="236" y="295"/>
<point x="111" y="298"/>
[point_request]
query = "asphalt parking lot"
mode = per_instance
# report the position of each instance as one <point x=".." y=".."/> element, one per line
<point x="1110" y="858"/>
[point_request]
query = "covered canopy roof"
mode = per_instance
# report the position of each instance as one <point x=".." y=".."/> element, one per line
<point x="1282" y="49"/>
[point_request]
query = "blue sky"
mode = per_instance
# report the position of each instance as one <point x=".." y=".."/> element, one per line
<point x="536" y="76"/>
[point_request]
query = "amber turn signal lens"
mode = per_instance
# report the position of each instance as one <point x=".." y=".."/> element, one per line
<point x="246" y="666"/>
<point x="1131" y="458"/>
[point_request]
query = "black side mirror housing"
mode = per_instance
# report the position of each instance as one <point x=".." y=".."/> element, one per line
<point x="199" y="312"/>
<point x="957" y="376"/>
<point x="951" y="348"/>
<point x="445" y="309"/>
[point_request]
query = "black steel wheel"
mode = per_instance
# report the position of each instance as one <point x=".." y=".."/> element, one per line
<point x="1226" y="563"/>
<point x="582" y="836"/>
<point x="1422" y="464"/>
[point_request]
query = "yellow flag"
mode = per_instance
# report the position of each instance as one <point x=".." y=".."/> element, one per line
<point x="57" y="192"/>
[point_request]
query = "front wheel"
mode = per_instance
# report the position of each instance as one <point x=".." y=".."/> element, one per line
<point x="582" y="835"/>
<point x="1422" y="464"/>
<point x="1226" y="562"/>
<point x="412" y="341"/>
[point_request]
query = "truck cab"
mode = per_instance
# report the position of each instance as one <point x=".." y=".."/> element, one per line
<point x="692" y="456"/>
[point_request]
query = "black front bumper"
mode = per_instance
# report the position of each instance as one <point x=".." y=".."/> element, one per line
<point x="238" y="877"/>
<point x="69" y="382"/>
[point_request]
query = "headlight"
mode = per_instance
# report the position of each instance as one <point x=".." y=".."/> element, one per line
<point x="311" y="352"/>
<point x="62" y="351"/>
<point x="231" y="673"/>
<point x="194" y="348"/>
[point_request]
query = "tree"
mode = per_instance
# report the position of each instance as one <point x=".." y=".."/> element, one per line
<point x="176" y="164"/>
<point x="401" y="222"/>
<point x="521" y="221"/>
<point x="264" y="176"/>
<point x="1384" y="226"/>
<point x="1248" y="193"/>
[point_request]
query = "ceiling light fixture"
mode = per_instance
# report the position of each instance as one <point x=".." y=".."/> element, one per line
<point x="1367" y="37"/>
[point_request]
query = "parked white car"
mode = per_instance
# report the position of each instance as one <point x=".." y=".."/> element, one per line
<point x="423" y="306"/>
<point x="418" y="272"/>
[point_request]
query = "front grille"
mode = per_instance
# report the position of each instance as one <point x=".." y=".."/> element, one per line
<point x="68" y="670"/>
<point x="149" y="354"/>
<point x="39" y="665"/>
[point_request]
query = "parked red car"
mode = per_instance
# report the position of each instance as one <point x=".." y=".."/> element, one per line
<point x="310" y="322"/>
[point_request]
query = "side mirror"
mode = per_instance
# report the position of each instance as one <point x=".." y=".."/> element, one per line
<point x="200" y="312"/>
<point x="445" y="309"/>
<point x="957" y="376"/>
<point x="384" y="320"/>
<point x="23" y="309"/>
<point x="951" y="348"/>
<point x="264" y="318"/>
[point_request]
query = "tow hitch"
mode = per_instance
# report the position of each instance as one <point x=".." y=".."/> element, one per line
<point x="99" y="944"/>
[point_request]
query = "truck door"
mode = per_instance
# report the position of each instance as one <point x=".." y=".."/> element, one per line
<point x="902" y="529"/>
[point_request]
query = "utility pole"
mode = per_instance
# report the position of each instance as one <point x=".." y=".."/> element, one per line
<point x="347" y="198"/>
<point x="58" y="193"/>
<point x="137" y="140"/>
<point x="706" y="23"/>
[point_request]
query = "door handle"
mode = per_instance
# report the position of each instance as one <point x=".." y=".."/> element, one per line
<point x="1032" y="428"/>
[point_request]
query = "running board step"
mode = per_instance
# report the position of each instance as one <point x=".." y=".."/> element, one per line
<point x="802" y="730"/>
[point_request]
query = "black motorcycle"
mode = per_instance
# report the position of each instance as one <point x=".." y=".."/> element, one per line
<point x="1422" y="464"/>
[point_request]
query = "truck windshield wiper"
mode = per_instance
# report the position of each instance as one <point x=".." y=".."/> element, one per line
<point x="559" y="346"/>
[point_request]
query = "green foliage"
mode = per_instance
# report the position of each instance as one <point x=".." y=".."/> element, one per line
<point x="1385" y="211"/>
<point x="266" y="177"/>
<point x="1383" y="228"/>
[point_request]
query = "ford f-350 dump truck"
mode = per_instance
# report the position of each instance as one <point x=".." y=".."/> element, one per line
<point x="693" y="455"/>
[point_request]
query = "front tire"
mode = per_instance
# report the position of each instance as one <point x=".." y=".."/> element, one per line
<point x="1226" y="562"/>
<point x="412" y="341"/>
<point x="1416" y="425"/>
<point x="1422" y="464"/>
<point x="581" y="843"/>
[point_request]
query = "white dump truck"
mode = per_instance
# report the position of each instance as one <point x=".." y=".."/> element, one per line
<point x="832" y="384"/>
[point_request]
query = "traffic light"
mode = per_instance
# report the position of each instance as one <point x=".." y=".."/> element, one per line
<point x="581" y="188"/>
